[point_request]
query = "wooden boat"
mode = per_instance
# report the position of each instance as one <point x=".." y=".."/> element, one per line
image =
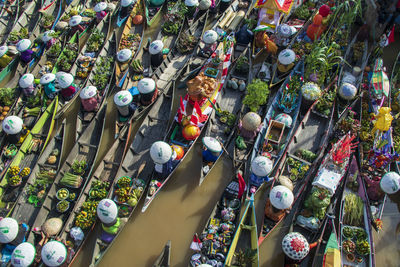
<point x="8" y="17"/>
<point x="85" y="151"/>
<point x="230" y="102"/>
<point x="354" y="190"/>
<point x="274" y="134"/>
<point x="230" y="198"/>
<point x="130" y="31"/>
<point x="245" y="238"/>
<point x="136" y="164"/>
<point x="313" y="227"/>
<point x="102" y="178"/>
<point x="27" y="205"/>
<point x="165" y="257"/>
<point x="152" y="13"/>
<point x="104" y="67"/>
<point x="174" y="134"/>
<point x="26" y="157"/>
<point x="312" y="135"/>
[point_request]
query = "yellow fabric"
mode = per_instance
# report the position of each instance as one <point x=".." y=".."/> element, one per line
<point x="332" y="258"/>
<point x="5" y="60"/>
<point x="383" y="120"/>
<point x="113" y="230"/>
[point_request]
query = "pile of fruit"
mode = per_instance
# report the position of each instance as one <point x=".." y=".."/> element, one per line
<point x="25" y="172"/>
<point x="125" y="193"/>
<point x="99" y="190"/>
<point x="52" y="159"/>
<point x="87" y="215"/>
<point x="14" y="180"/>
<point x="62" y="206"/>
<point x="130" y="41"/>
<point x="62" y="194"/>
<point x="14" y="170"/>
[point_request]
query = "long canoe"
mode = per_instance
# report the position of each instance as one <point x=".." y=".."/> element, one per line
<point x="327" y="252"/>
<point x="28" y="204"/>
<point x="152" y="12"/>
<point x="8" y="17"/>
<point x="137" y="166"/>
<point x="165" y="257"/>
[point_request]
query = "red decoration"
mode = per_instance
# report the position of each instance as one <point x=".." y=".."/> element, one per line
<point x="324" y="10"/>
<point x="297" y="244"/>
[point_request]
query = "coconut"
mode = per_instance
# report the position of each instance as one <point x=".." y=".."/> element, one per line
<point x="251" y="121"/>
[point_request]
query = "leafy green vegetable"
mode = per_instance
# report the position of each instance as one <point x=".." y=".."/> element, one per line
<point x="103" y="72"/>
<point x="257" y="95"/>
<point x="353" y="210"/>
<point x="7" y="96"/>
<point x="96" y="39"/>
<point x="317" y="202"/>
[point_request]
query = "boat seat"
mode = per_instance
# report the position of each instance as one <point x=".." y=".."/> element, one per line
<point x="88" y="145"/>
<point x="179" y="143"/>
<point x="45" y="165"/>
<point x="111" y="162"/>
<point x="247" y="227"/>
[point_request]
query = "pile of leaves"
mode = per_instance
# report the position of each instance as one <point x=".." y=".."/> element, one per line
<point x="47" y="20"/>
<point x="54" y="50"/>
<point x="173" y="20"/>
<point x="36" y="191"/>
<point x="257" y="95"/>
<point x="226" y="117"/>
<point x="317" y="202"/>
<point x="74" y="11"/>
<point x="186" y="43"/>
<point x="18" y="35"/>
<point x="90" y="13"/>
<point x="242" y="65"/>
<point x="96" y="39"/>
<point x="103" y="72"/>
<point x="358" y="51"/>
<point x="7" y="96"/>
<point x="306" y="155"/>
<point x="68" y="57"/>
<point x="324" y="104"/>
<point x="130" y="41"/>
<point x="297" y="169"/>
<point x="353" y="210"/>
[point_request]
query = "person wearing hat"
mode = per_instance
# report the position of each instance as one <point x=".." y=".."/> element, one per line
<point x="283" y="34"/>
<point x="192" y="7"/>
<point x="262" y="40"/>
<point x="250" y="125"/>
<point x="48" y="83"/>
<point x="210" y="39"/>
<point x="23" y="46"/>
<point x="244" y="36"/>
<point x="123" y="58"/>
<point x="100" y="9"/>
<point x="223" y="5"/>
<point x="89" y="98"/>
<point x="13" y="126"/>
<point x="75" y="24"/>
<point x="164" y="158"/>
<point x="27" y="84"/>
<point x="23" y="255"/>
<point x="12" y="234"/>
<point x="126" y="7"/>
<point x="212" y="149"/>
<point x="148" y="91"/>
<point x="279" y="202"/>
<point x="156" y="53"/>
<point x="260" y="168"/>
<point x="315" y="30"/>
<point x="286" y="60"/>
<point x="107" y="212"/>
<point x="55" y="253"/>
<point x="66" y="83"/>
<point x="125" y="105"/>
<point x="48" y="38"/>
<point x="296" y="248"/>
<point x="5" y="59"/>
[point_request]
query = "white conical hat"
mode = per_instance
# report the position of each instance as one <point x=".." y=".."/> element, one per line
<point x="23" y="45"/>
<point x="12" y="124"/>
<point x="3" y="50"/>
<point x="285" y="119"/>
<point x="390" y="183"/>
<point x="47" y="36"/>
<point x="107" y="211"/>
<point x="347" y="91"/>
<point x="204" y="4"/>
<point x="160" y="152"/>
<point x="281" y="197"/>
<point x="65" y="79"/>
<point x="59" y="74"/>
<point x="146" y="85"/>
<point x="210" y="37"/>
<point x="295" y="246"/>
<point x="251" y="121"/>
<point x="261" y="28"/>
<point x="191" y="3"/>
<point x="100" y="6"/>
<point x="125" y="3"/>
<point x="23" y="255"/>
<point x="124" y="55"/>
<point x="123" y="98"/>
<point x="212" y="144"/>
<point x="287" y="56"/>
<point x="88" y="92"/>
<point x="261" y="166"/>
<point x="156" y="47"/>
<point x="54" y="253"/>
<point x="284" y="30"/>
<point x="26" y="80"/>
<point x="310" y="91"/>
<point x="47" y="78"/>
<point x="8" y="230"/>
<point x="75" y="20"/>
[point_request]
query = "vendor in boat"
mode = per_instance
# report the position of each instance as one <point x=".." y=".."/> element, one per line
<point x="56" y="253"/>
<point x="148" y="91"/>
<point x="48" y="83"/>
<point x="23" y="46"/>
<point x="205" y="5"/>
<point x="210" y="38"/>
<point x="66" y="82"/>
<point x="262" y="40"/>
<point x="296" y="248"/>
<point x="13" y="126"/>
<point x="191" y="6"/>
<point x="156" y="53"/>
<point x="48" y="38"/>
<point x="244" y="36"/>
<point x="250" y="125"/>
<point x="5" y="59"/>
<point x="126" y="7"/>
<point x="286" y="60"/>
<point x="123" y="101"/>
<point x="279" y="202"/>
<point x="23" y="255"/>
<point x="123" y="58"/>
<point x="27" y="84"/>
<point x="212" y="149"/>
<point x="260" y="169"/>
<point x="75" y="22"/>
<point x="12" y="234"/>
<point x="390" y="183"/>
<point x="107" y="211"/>
<point x="315" y="30"/>
<point x="164" y="158"/>
<point x="100" y="9"/>
<point x="89" y="98"/>
<point x="283" y="34"/>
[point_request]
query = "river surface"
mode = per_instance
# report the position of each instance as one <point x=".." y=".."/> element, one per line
<point x="182" y="208"/>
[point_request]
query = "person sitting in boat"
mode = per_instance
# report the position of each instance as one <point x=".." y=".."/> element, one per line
<point x="100" y="9"/>
<point x="250" y="125"/>
<point x="315" y="30"/>
<point x="23" y="46"/>
<point x="191" y="7"/>
<point x="89" y="98"/>
<point x="147" y="90"/>
<point x="5" y="59"/>
<point x="12" y="234"/>
<point x="107" y="212"/>
<point x="48" y="83"/>
<point x="296" y="248"/>
<point x="206" y="4"/>
<point x="66" y="82"/>
<point x="244" y="36"/>
<point x="126" y="7"/>
<point x="210" y="38"/>
<point x="27" y="84"/>
<point x="13" y="126"/>
<point x="260" y="168"/>
<point x="48" y="38"/>
<point x="56" y="253"/>
<point x="123" y="101"/>
<point x="283" y="34"/>
<point x="212" y="149"/>
<point x="164" y="157"/>
<point x="156" y="53"/>
<point x="23" y="255"/>
<point x="75" y="22"/>
<point x="279" y="202"/>
<point x="262" y="40"/>
<point x="286" y="60"/>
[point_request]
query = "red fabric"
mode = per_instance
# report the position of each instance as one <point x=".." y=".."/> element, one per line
<point x="242" y="185"/>
<point x="398" y="4"/>
<point x="324" y="10"/>
<point x="391" y="36"/>
<point x="181" y="110"/>
<point x="89" y="104"/>
<point x="68" y="92"/>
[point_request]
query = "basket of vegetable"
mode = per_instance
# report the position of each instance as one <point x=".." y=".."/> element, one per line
<point x="211" y="72"/>
<point x="15" y="180"/>
<point x="62" y="194"/>
<point x="348" y="246"/>
<point x="97" y="193"/>
<point x="363" y="247"/>
<point x="79" y="167"/>
<point x="71" y="180"/>
<point x="124" y="181"/>
<point x="71" y="197"/>
<point x="62" y="206"/>
<point x="25" y="172"/>
<point x="348" y="232"/>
